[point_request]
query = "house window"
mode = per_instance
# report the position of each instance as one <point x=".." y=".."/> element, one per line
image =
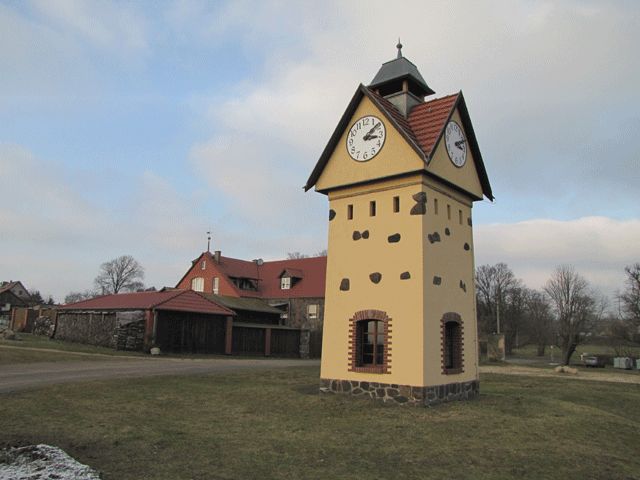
<point x="285" y="283"/>
<point x="452" y="344"/>
<point x="216" y="285"/>
<point x="435" y="206"/>
<point x="372" y="208"/>
<point x="312" y="311"/>
<point x="370" y="342"/>
<point x="349" y="212"/>
<point x="197" y="284"/>
<point x="396" y="204"/>
<point x="203" y="265"/>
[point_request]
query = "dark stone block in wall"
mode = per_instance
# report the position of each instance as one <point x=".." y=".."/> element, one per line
<point x="420" y="197"/>
<point x="447" y="232"/>
<point x="344" y="285"/>
<point x="405" y="276"/>
<point x="437" y="280"/>
<point x="365" y="234"/>
<point x="376" y="277"/>
<point x="395" y="238"/>
<point x="332" y="214"/>
<point x="418" y="209"/>
<point x="466" y="246"/>
<point x="357" y="235"/>
<point x="434" y="237"/>
<point x="463" y="285"/>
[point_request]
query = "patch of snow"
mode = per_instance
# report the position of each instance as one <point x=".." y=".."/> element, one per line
<point x="42" y="462"/>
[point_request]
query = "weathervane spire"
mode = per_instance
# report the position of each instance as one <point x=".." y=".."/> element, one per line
<point x="399" y="47"/>
<point x="208" y="241"/>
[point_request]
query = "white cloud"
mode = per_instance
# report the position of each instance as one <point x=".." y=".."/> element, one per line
<point x="598" y="247"/>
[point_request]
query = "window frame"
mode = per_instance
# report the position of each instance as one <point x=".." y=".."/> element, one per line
<point x="285" y="283"/>
<point x="197" y="281"/>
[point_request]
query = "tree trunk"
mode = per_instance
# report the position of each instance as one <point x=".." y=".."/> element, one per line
<point x="567" y="352"/>
<point x="541" y="349"/>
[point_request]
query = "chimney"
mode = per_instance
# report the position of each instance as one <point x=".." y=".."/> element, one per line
<point x="216" y="256"/>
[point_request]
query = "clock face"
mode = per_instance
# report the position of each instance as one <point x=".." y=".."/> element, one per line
<point x="456" y="144"/>
<point x="366" y="138"/>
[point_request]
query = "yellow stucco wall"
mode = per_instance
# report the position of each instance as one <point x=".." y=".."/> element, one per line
<point x="396" y="156"/>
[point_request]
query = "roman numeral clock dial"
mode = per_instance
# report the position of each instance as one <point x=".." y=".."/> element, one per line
<point x="366" y="138"/>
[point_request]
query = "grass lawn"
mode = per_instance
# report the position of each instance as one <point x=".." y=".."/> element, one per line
<point x="264" y="425"/>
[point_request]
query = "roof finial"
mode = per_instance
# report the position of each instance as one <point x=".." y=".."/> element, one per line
<point x="208" y="241"/>
<point x="399" y="47"/>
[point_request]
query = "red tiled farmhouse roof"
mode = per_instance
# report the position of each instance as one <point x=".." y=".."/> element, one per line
<point x="174" y="300"/>
<point x="312" y="272"/>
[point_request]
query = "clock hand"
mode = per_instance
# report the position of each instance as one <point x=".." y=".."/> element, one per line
<point x="459" y="143"/>
<point x="369" y="136"/>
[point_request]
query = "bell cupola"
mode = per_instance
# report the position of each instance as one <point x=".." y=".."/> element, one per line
<point x="400" y="82"/>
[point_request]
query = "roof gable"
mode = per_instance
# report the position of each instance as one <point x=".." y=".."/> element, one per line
<point x="401" y="152"/>
<point x="422" y="130"/>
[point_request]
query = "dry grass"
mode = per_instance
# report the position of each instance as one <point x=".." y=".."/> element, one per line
<point x="271" y="425"/>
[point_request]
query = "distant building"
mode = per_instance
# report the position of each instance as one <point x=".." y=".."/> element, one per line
<point x="12" y="294"/>
<point x="295" y="287"/>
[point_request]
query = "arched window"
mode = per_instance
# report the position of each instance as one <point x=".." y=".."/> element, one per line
<point x="370" y="342"/>
<point x="452" y="360"/>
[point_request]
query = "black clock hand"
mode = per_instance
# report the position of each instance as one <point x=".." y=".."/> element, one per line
<point x="369" y="136"/>
<point x="459" y="143"/>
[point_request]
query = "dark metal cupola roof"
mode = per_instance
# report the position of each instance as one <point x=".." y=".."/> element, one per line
<point x="391" y="75"/>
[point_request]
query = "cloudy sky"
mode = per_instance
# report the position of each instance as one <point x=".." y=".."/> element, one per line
<point x="135" y="127"/>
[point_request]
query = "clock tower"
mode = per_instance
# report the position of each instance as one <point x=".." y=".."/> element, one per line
<point x="401" y="172"/>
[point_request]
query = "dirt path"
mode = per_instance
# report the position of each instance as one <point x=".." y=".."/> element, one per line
<point x="594" y="375"/>
<point x="17" y="377"/>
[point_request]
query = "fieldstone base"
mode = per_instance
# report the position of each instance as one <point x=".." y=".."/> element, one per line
<point x="403" y="394"/>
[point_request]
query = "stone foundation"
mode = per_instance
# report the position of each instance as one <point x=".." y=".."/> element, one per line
<point x="403" y="394"/>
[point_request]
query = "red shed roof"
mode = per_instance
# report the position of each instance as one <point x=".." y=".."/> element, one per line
<point x="175" y="300"/>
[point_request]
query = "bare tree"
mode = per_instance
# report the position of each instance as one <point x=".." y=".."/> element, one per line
<point x="574" y="305"/>
<point x="494" y="284"/>
<point x="630" y="298"/>
<point x="296" y="255"/>
<point x="321" y="253"/>
<point x="539" y="320"/>
<point x="120" y="274"/>
<point x="73" y="297"/>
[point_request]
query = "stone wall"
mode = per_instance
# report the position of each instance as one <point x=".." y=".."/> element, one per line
<point x="297" y="312"/>
<point x="93" y="328"/>
<point x="403" y="394"/>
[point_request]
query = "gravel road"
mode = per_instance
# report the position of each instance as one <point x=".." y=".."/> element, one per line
<point x="18" y="377"/>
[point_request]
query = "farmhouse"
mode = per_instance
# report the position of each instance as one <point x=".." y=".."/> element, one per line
<point x="174" y="320"/>
<point x="401" y="174"/>
<point x="294" y="289"/>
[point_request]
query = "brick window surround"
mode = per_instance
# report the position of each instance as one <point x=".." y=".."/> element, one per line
<point x="355" y="347"/>
<point x="452" y="343"/>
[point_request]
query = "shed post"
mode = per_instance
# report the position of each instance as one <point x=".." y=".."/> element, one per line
<point x="228" y="337"/>
<point x="149" y="329"/>
<point x="267" y="342"/>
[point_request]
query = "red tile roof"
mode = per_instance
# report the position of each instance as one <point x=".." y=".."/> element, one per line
<point x="311" y="284"/>
<point x="427" y="120"/>
<point x="179" y="300"/>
